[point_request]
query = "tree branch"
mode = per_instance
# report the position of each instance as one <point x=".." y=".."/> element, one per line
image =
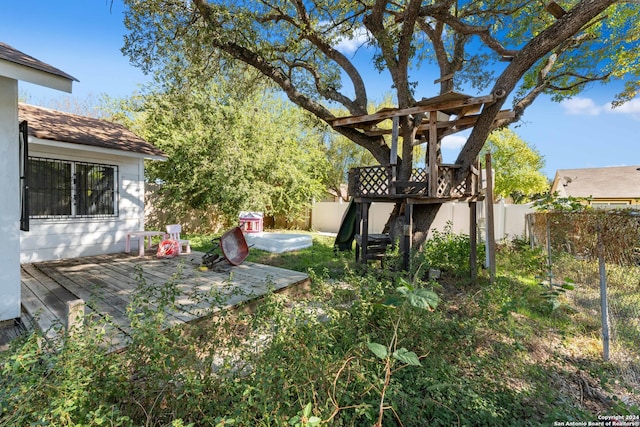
<point x="404" y="53"/>
<point x="359" y="104"/>
<point x="442" y="14"/>
<point x="544" y="42"/>
<point x="583" y="80"/>
<point x="329" y="92"/>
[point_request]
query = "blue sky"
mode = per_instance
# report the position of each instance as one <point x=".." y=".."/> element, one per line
<point x="84" y="37"/>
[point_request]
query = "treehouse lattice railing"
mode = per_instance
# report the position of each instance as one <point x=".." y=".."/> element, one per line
<point x="378" y="181"/>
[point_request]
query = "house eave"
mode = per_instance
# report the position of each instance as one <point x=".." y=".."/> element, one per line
<point x="32" y="75"/>
<point x="94" y="149"/>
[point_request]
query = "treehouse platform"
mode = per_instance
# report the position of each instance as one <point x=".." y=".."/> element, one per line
<point x="380" y="184"/>
<point x="426" y="122"/>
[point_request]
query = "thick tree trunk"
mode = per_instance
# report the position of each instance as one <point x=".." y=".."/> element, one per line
<point x="423" y="217"/>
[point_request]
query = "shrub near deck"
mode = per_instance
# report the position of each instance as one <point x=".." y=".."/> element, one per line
<point x="488" y="355"/>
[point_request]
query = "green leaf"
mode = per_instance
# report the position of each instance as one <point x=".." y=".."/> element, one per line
<point x="392" y="301"/>
<point x="378" y="349"/>
<point x="405" y="284"/>
<point x="568" y="287"/>
<point x="423" y="298"/>
<point x="407" y="357"/>
<point x="294" y="420"/>
<point x="314" y="421"/>
<point x="307" y="410"/>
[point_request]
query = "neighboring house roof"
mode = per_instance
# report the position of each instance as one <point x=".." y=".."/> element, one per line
<point x="619" y="182"/>
<point x="19" y="65"/>
<point x="65" y="127"/>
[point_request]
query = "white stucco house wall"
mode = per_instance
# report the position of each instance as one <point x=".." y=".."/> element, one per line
<point x="16" y="66"/>
<point x="76" y="190"/>
<point x="86" y="185"/>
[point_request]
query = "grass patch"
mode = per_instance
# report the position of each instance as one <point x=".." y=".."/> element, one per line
<point x="364" y="346"/>
<point x="318" y="258"/>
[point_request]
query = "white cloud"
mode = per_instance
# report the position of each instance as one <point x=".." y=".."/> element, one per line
<point x="349" y="45"/>
<point x="587" y="107"/>
<point x="631" y="107"/>
<point x="453" y="142"/>
<point x="581" y="107"/>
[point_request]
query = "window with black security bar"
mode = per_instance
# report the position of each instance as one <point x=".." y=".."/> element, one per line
<point x="61" y="188"/>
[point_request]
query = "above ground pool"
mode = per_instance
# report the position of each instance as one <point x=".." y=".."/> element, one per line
<point x="278" y="242"/>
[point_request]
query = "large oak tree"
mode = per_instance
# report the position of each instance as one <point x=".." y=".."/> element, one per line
<point x="512" y="49"/>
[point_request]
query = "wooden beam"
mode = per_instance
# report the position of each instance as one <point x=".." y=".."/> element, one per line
<point x="450" y="127"/>
<point x="469" y="109"/>
<point x="393" y="162"/>
<point x="351" y="121"/>
<point x="470" y="121"/>
<point x="443" y="78"/>
<point x="432" y="160"/>
<point x="394" y="141"/>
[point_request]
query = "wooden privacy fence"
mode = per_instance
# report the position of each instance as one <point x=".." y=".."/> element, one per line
<point x="201" y="220"/>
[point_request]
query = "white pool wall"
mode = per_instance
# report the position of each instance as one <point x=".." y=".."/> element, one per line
<point x="278" y="242"/>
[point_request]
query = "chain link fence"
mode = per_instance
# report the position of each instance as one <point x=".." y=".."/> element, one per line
<point x="600" y="252"/>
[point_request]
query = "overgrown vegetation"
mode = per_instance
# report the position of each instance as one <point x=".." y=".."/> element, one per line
<point x="278" y="164"/>
<point x="364" y="347"/>
<point x="597" y="250"/>
<point x="448" y="252"/>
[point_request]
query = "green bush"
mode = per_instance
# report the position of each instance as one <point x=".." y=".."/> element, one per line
<point x="448" y="252"/>
<point x="369" y="346"/>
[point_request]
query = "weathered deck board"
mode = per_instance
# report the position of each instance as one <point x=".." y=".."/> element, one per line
<point x="96" y="298"/>
<point x="123" y="275"/>
<point x="122" y="285"/>
<point x="38" y="309"/>
<point x="109" y="284"/>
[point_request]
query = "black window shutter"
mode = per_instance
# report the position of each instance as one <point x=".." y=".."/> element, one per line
<point x="24" y="173"/>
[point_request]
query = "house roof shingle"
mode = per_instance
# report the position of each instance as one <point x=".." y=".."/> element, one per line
<point x="600" y="183"/>
<point x="55" y="125"/>
<point x="12" y="54"/>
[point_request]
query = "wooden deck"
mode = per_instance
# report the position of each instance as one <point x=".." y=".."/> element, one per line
<point x="108" y="284"/>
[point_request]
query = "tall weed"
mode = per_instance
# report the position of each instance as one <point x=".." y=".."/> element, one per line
<point x="447" y="251"/>
<point x="368" y="348"/>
